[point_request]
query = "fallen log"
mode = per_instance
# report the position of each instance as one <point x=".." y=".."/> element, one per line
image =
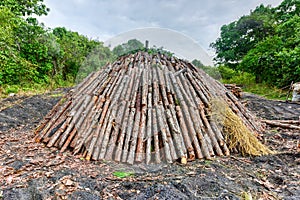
<point x="295" y="122"/>
<point x="281" y="124"/>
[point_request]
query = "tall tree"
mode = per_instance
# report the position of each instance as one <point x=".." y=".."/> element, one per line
<point x="32" y="47"/>
<point x="130" y="45"/>
<point x="286" y="10"/>
<point x="25" y="7"/>
<point x="13" y="68"/>
<point x="74" y="49"/>
<point x="276" y="60"/>
<point x="197" y="63"/>
<point x="238" y="37"/>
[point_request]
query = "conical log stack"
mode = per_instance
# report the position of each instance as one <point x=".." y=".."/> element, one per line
<point x="143" y="108"/>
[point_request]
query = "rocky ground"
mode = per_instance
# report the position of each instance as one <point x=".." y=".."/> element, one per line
<point x="29" y="170"/>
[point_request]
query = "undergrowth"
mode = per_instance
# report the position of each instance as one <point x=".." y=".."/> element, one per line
<point x="31" y="89"/>
<point x="248" y="84"/>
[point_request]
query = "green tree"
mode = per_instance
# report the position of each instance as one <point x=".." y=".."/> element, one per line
<point x="20" y="52"/>
<point x="265" y="43"/>
<point x="25" y="8"/>
<point x="74" y="48"/>
<point x="276" y="60"/>
<point x="31" y="53"/>
<point x="32" y="47"/>
<point x="286" y="10"/>
<point x="95" y="60"/>
<point x="240" y="36"/>
<point x="125" y="48"/>
<point x="197" y="63"/>
<point x="13" y="68"/>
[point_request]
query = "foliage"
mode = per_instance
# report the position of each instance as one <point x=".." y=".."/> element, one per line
<point x="269" y="92"/>
<point x="32" y="54"/>
<point x="73" y="50"/>
<point x="226" y="72"/>
<point x="211" y="71"/>
<point x="197" y="63"/>
<point x="276" y="60"/>
<point x="247" y="82"/>
<point x="240" y="36"/>
<point x="32" y="48"/>
<point x="286" y="10"/>
<point x="131" y="45"/>
<point x="265" y="43"/>
<point x="10" y="60"/>
<point x="25" y="8"/>
<point x="134" y="45"/>
<point x="96" y="58"/>
<point x="238" y="77"/>
<point x="121" y="174"/>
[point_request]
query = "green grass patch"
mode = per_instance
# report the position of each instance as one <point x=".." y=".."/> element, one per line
<point x="121" y="174"/>
<point x="30" y="89"/>
<point x="248" y="84"/>
<point x="266" y="91"/>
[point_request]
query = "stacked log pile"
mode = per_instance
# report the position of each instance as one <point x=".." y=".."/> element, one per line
<point x="143" y="108"/>
<point x="236" y="90"/>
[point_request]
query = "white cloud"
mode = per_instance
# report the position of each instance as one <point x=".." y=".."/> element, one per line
<point x="201" y="20"/>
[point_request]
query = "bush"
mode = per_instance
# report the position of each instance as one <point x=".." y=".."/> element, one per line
<point x="11" y="89"/>
<point x="212" y="71"/>
<point x="226" y="72"/>
<point x="247" y="81"/>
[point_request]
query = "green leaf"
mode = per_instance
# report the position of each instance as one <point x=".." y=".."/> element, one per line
<point x="121" y="174"/>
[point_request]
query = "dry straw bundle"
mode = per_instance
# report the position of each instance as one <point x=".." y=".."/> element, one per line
<point x="237" y="136"/>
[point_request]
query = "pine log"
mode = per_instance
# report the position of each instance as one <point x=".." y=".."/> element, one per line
<point x="149" y="129"/>
<point x="162" y="131"/>
<point x="107" y="133"/>
<point x="125" y="121"/>
<point x="142" y="125"/>
<point x="294" y="122"/>
<point x="128" y="134"/>
<point x="133" y="139"/>
<point x="280" y="124"/>
<point x="190" y="110"/>
<point x="188" y="120"/>
<point x="52" y="123"/>
<point x="155" y="134"/>
<point x="100" y="131"/>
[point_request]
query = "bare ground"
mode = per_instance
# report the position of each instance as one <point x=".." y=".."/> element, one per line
<point x="29" y="170"/>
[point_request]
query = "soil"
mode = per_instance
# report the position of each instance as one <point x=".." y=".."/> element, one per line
<point x="29" y="170"/>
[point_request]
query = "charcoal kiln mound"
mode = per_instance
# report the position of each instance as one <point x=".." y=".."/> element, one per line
<point x="150" y="108"/>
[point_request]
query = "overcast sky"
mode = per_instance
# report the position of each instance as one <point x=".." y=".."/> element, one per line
<point x="103" y="19"/>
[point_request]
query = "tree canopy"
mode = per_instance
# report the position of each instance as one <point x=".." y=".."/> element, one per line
<point x="25" y="8"/>
<point x="129" y="46"/>
<point x="265" y="43"/>
<point x="238" y="37"/>
<point x="31" y="53"/>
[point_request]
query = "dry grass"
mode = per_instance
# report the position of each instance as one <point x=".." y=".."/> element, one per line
<point x="236" y="133"/>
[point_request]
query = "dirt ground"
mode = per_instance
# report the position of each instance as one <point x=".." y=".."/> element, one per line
<point x="29" y="170"/>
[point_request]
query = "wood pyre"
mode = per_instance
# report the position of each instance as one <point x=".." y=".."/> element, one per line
<point x="147" y="108"/>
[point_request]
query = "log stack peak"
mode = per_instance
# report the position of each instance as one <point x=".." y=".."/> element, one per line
<point x="145" y="108"/>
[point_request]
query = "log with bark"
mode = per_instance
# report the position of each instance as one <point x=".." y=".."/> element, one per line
<point x="291" y="124"/>
<point x="144" y="108"/>
<point x="236" y="90"/>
